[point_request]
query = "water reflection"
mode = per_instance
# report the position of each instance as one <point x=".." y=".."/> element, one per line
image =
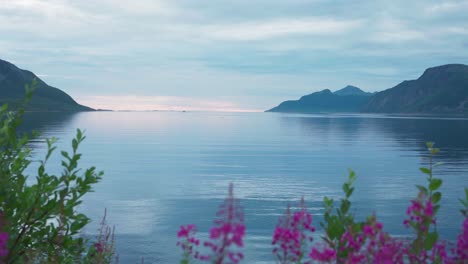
<point x="46" y="121"/>
<point x="449" y="134"/>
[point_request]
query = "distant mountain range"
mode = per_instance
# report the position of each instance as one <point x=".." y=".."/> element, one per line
<point x="348" y="99"/>
<point x="440" y="90"/>
<point x="45" y="98"/>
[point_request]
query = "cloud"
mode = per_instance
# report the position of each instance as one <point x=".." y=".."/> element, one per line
<point x="446" y="7"/>
<point x="390" y="30"/>
<point x="140" y="7"/>
<point x="51" y="76"/>
<point x="227" y="55"/>
<point x="456" y="30"/>
<point x="52" y="19"/>
<point x="262" y="30"/>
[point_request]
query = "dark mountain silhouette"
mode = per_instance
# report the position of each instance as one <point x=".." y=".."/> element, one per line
<point x="45" y="97"/>
<point x="348" y="99"/>
<point x="442" y="89"/>
<point x="352" y="90"/>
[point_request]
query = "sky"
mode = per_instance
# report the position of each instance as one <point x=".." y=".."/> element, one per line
<point x="215" y="55"/>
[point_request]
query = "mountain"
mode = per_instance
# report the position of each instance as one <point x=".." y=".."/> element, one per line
<point x="348" y="99"/>
<point x="442" y="89"/>
<point x="45" y="97"/>
<point x="352" y="90"/>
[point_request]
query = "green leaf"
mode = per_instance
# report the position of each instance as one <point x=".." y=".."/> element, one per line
<point x="352" y="176"/>
<point x="76" y="226"/>
<point x="435" y="184"/>
<point x="334" y="228"/>
<point x="464" y="203"/>
<point x="65" y="154"/>
<point x="431" y="239"/>
<point x="436" y="197"/>
<point x="74" y="145"/>
<point x="422" y="189"/>
<point x="425" y="170"/>
<point x="464" y="212"/>
<point x="345" y="187"/>
<point x="345" y="205"/>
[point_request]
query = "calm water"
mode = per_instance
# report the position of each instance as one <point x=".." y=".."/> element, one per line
<point x="165" y="169"/>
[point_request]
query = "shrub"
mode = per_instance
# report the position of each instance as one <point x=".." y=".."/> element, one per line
<point x="39" y="221"/>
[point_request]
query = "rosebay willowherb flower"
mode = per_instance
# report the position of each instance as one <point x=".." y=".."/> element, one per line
<point x="461" y="249"/>
<point x="187" y="242"/>
<point x="3" y="238"/>
<point x="3" y="244"/>
<point x="422" y="216"/>
<point x="368" y="243"/>
<point x="103" y="250"/>
<point x="227" y="233"/>
<point x="323" y="254"/>
<point x="226" y="238"/>
<point x="292" y="234"/>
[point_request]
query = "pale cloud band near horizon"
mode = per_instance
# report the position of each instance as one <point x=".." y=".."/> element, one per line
<point x="159" y="103"/>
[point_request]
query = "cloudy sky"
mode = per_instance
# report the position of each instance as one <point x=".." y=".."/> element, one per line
<point x="227" y="55"/>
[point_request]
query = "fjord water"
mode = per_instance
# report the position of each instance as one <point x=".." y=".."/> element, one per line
<point x="165" y="169"/>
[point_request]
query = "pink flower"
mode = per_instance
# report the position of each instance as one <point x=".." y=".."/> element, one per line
<point x="185" y="231"/>
<point x="327" y="255"/>
<point x="3" y="237"/>
<point x="98" y="247"/>
<point x="3" y="244"/>
<point x="439" y="254"/>
<point x="291" y="233"/>
<point x="228" y="232"/>
<point x="369" y="245"/>
<point x="367" y="230"/>
<point x="187" y="241"/>
<point x="429" y="209"/>
<point x="461" y="250"/>
<point x="422" y="217"/>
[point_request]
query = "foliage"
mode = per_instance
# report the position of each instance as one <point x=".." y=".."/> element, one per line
<point x="423" y="211"/>
<point x="337" y="224"/>
<point x="39" y="221"/>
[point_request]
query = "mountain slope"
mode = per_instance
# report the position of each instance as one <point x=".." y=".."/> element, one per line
<point x="45" y="97"/>
<point x="352" y="90"/>
<point x="442" y="89"/>
<point x="348" y="99"/>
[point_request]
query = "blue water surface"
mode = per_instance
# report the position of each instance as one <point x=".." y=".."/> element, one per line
<point x="165" y="169"/>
